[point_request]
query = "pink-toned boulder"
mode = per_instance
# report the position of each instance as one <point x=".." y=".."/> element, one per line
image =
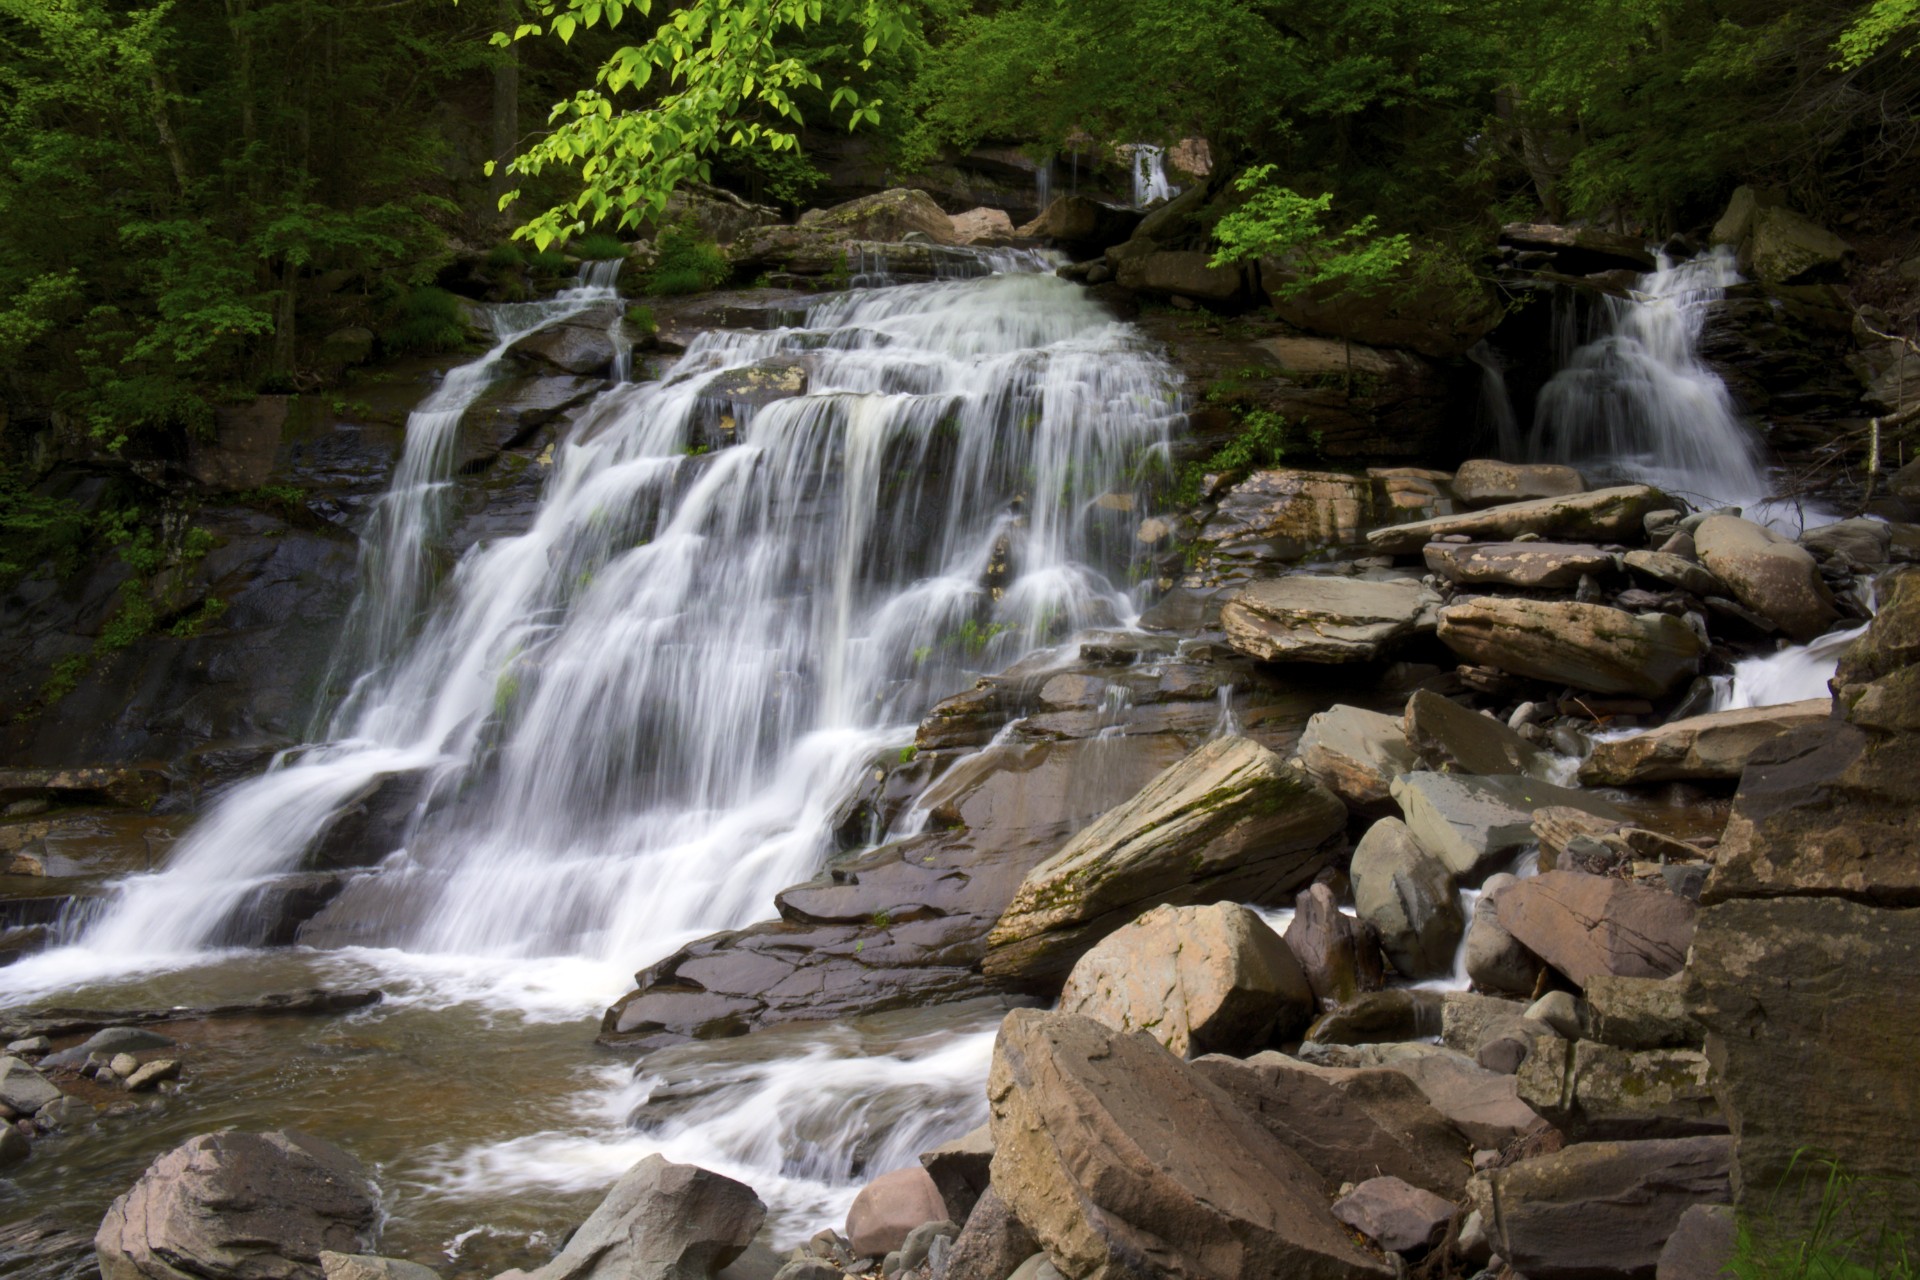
<point x="889" y="1207"/>
<point x="1589" y="926"/>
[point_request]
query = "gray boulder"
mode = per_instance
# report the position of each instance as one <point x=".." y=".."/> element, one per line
<point x="1231" y="821"/>
<point x="1601" y="1208"/>
<point x="1483" y="1105"/>
<point x="1862" y="543"/>
<point x="23" y="1088"/>
<point x="661" y="1221"/>
<point x="1495" y="961"/>
<point x="960" y="1171"/>
<point x="1356" y="754"/>
<point x="1787" y="248"/>
<point x="992" y="1244"/>
<point x="1213" y="979"/>
<point x="239" y="1206"/>
<point x="1339" y="954"/>
<point x="1589" y="1090"/>
<point x="1471" y="824"/>
<point x="1640" y="1013"/>
<point x="1076" y="1107"/>
<point x="1589" y="646"/>
<point x="1586" y="925"/>
<point x="1408" y="895"/>
<point x="1484" y="482"/>
<point x="1701" y="1244"/>
<point x="1306" y="617"/>
<point x="1606" y="515"/>
<point x="1531" y="566"/>
<point x="1670" y="570"/>
<point x="1774" y="577"/>
<point x="1449" y="738"/>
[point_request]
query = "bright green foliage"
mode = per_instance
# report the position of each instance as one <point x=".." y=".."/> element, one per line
<point x="427" y="320"/>
<point x="1261" y="442"/>
<point x="548" y="262"/>
<point x="597" y="245"/>
<point x="685" y="261"/>
<point x="727" y="77"/>
<point x="1883" y="23"/>
<point x="1275" y="222"/>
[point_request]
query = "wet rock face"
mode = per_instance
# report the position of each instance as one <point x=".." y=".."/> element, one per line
<point x="1211" y="979"/>
<point x="1074" y="1103"/>
<point x="239" y="1206"/>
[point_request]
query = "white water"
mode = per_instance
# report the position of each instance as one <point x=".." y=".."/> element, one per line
<point x="1794" y="674"/>
<point x="636" y="719"/>
<point x="1150" y="185"/>
<point x="1636" y="403"/>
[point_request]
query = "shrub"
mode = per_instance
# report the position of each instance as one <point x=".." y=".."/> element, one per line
<point x="549" y="262"/>
<point x="36" y="530"/>
<point x="642" y="319"/>
<point x="506" y="257"/>
<point x="427" y="320"/>
<point x="598" y="245"/>
<point x="686" y="261"/>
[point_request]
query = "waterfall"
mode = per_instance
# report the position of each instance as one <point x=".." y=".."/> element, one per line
<point x="1497" y="420"/>
<point x="1043" y="185"/>
<point x="1794" y="674"/>
<point x="1636" y="403"/>
<point x="1150" y="183"/>
<point x="635" y="719"/>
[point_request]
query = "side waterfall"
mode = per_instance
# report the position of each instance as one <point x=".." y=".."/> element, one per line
<point x="633" y="721"/>
<point x="1636" y="403"/>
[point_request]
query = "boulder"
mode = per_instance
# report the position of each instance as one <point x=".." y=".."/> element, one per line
<point x="1559" y="1010"/>
<point x="1736" y="223"/>
<point x="1339" y="955"/>
<point x="890" y="1207"/>
<point x="1376" y="1017"/>
<point x="1349" y="1124"/>
<point x="1715" y="746"/>
<point x="1786" y="248"/>
<point x="1601" y="1209"/>
<point x="1701" y="1244"/>
<point x="1408" y="895"/>
<point x="960" y="1170"/>
<point x="1038" y="1267"/>
<point x="1531" y="566"/>
<point x="1588" y="646"/>
<point x="981" y="224"/>
<point x="1861" y="543"/>
<point x="582" y="344"/>
<point x="1081" y="225"/>
<point x="1124" y="1160"/>
<point x="1230" y="821"/>
<point x="992" y="1244"/>
<point x="1606" y="515"/>
<point x="1581" y="250"/>
<point x="1356" y="754"/>
<point x="23" y="1089"/>
<point x="1483" y="1105"/>
<point x="889" y="216"/>
<point x="1640" y="1013"/>
<point x="1585" y="925"/>
<point x="1483" y="482"/>
<point x="1808" y="1053"/>
<point x="1305" y="617"/>
<point x="1211" y="979"/>
<point x="1467" y="1019"/>
<point x="368" y="1266"/>
<point x="1771" y="575"/>
<point x="1449" y="738"/>
<point x="661" y="1221"/>
<point x="239" y="1206"/>
<point x="1280" y="515"/>
<point x="1397" y="1216"/>
<point x="1589" y="1090"/>
<point x="1670" y="570"/>
<point x="1183" y="273"/>
<point x="1495" y="962"/>
<point x="1473" y="823"/>
<point x="15" y="1148"/>
<point x="1506" y="1045"/>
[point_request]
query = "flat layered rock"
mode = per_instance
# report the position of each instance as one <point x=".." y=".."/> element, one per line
<point x="1602" y="1208"/>
<point x="1771" y="575"/>
<point x="1357" y="754"/>
<point x="1213" y="979"/>
<point x="1713" y="746"/>
<point x="1534" y="566"/>
<point x="1229" y="822"/>
<point x="1284" y="514"/>
<point x="1124" y="1160"/>
<point x="1586" y="925"/>
<point x="1606" y="515"/>
<point x="1471" y="823"/>
<point x="1484" y="482"/>
<point x="1588" y="646"/>
<point x="1670" y="570"/>
<point x="1309" y="618"/>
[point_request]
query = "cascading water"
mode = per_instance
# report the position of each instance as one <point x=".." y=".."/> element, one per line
<point x="634" y="720"/>
<point x="1636" y="403"/>
<point x="1150" y="184"/>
